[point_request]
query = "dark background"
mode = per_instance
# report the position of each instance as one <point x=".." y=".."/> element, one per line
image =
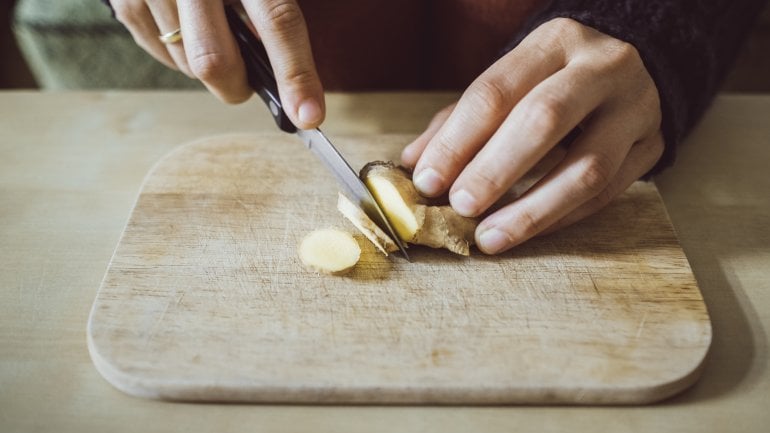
<point x="751" y="72"/>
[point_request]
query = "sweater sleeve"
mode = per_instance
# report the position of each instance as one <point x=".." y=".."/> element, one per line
<point x="687" y="47"/>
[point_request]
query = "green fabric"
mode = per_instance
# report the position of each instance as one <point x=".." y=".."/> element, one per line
<point x="76" y="44"/>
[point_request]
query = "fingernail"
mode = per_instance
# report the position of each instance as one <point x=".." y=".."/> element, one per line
<point x="464" y="203"/>
<point x="428" y="182"/>
<point x="493" y="240"/>
<point x="309" y="112"/>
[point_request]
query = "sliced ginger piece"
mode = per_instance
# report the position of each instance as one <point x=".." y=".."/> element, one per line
<point x="414" y="218"/>
<point x="329" y="251"/>
<point x="395" y="193"/>
<point x="396" y="204"/>
<point x="365" y="225"/>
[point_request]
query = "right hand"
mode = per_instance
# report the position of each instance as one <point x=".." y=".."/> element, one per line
<point x="209" y="52"/>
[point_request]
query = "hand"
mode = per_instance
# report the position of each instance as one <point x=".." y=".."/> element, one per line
<point x="562" y="75"/>
<point x="209" y="52"/>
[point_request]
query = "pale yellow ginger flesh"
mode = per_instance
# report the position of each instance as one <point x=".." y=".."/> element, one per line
<point x="365" y="225"/>
<point x="395" y="206"/>
<point x="329" y="251"/>
<point x="416" y="219"/>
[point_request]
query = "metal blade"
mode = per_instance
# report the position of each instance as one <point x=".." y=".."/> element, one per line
<point x="356" y="190"/>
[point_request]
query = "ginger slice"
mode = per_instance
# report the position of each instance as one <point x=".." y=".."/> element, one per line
<point x="365" y="225"/>
<point x="329" y="251"/>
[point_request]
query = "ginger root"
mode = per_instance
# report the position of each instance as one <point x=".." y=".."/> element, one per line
<point x="414" y="218"/>
<point x="365" y="225"/>
<point x="329" y="251"/>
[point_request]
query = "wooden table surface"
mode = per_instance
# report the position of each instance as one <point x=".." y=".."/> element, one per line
<point x="71" y="165"/>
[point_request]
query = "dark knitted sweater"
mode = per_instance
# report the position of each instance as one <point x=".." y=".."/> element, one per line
<point x="686" y="45"/>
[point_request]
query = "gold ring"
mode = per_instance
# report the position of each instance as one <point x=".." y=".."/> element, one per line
<point x="171" y="37"/>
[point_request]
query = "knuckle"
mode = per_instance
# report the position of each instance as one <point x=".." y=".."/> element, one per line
<point x="543" y="43"/>
<point x="622" y="58"/>
<point x="562" y="24"/>
<point x="643" y="108"/>
<point x="658" y="147"/>
<point x="623" y="52"/>
<point x="439" y="118"/>
<point x="545" y="114"/>
<point x="235" y="98"/>
<point x="528" y="224"/>
<point x="211" y="67"/>
<point x="280" y="14"/>
<point x="596" y="173"/>
<point x="602" y="199"/>
<point x="565" y="28"/>
<point x="655" y="146"/>
<point x="650" y="103"/>
<point x="127" y="11"/>
<point x="488" y="95"/>
<point x="448" y="153"/>
<point x="644" y="103"/>
<point x="487" y="182"/>
<point x="298" y="77"/>
<point x="444" y="113"/>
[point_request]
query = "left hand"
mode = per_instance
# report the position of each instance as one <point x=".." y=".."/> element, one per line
<point x="562" y="75"/>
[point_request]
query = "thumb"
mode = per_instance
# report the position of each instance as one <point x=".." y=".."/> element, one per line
<point x="282" y="28"/>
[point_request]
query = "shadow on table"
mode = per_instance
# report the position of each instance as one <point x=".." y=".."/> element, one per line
<point x="717" y="198"/>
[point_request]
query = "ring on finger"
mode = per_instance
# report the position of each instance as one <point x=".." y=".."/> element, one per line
<point x="171" y="37"/>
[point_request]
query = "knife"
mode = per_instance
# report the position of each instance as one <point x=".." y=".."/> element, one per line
<point x="260" y="76"/>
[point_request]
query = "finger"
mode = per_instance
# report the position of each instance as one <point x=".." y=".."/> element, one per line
<point x="592" y="161"/>
<point x="282" y="28"/>
<point x="413" y="150"/>
<point x="484" y="106"/>
<point x="547" y="114"/>
<point x="211" y="50"/>
<point x="640" y="160"/>
<point x="166" y="17"/>
<point x="136" y="17"/>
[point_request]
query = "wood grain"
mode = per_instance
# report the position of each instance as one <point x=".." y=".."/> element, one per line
<point x="206" y="300"/>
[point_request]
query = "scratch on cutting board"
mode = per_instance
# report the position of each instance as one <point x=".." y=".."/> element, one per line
<point x="641" y="326"/>
<point x="288" y="223"/>
<point x="292" y="222"/>
<point x="179" y="299"/>
<point x="315" y="208"/>
<point x="156" y="324"/>
<point x="593" y="282"/>
<point x="245" y="207"/>
<point x="154" y="328"/>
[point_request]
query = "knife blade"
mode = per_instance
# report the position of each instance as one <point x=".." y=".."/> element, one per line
<point x="261" y="79"/>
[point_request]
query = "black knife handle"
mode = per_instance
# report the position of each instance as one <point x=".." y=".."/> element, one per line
<point x="258" y="69"/>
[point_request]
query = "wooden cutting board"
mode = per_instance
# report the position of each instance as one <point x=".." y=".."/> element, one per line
<point x="206" y="300"/>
